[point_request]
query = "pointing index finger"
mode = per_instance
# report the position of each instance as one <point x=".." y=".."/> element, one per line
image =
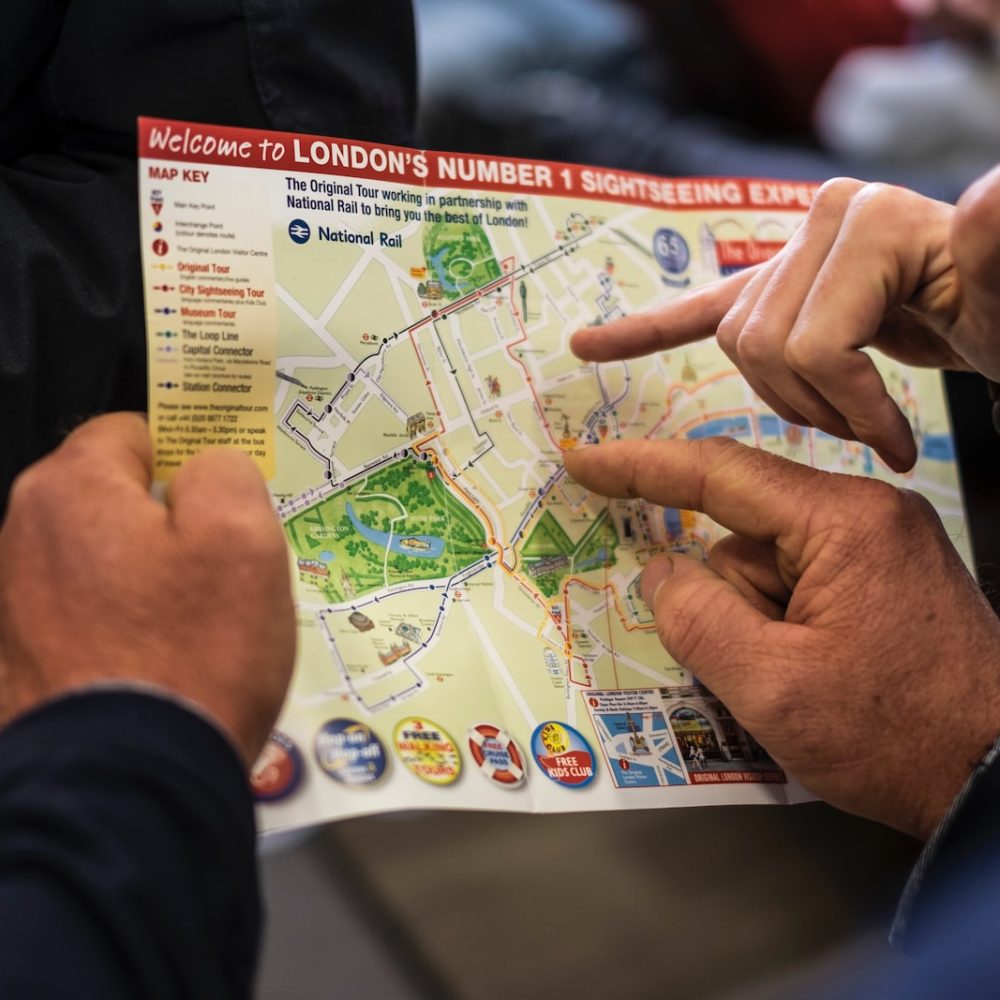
<point x="690" y="318"/>
<point x="748" y="491"/>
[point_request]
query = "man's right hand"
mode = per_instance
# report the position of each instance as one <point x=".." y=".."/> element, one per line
<point x="99" y="582"/>
<point x="872" y="266"/>
<point x="837" y="623"/>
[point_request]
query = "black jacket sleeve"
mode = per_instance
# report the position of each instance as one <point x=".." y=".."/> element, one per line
<point x="959" y="868"/>
<point x="74" y="76"/>
<point x="127" y="864"/>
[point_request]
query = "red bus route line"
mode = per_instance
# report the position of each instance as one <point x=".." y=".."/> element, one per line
<point x="527" y="375"/>
<point x="568" y="614"/>
<point x="427" y="379"/>
<point x="611" y="635"/>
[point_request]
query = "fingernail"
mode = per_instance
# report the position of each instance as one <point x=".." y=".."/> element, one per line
<point x="899" y="462"/>
<point x="579" y="448"/>
<point x="654" y="576"/>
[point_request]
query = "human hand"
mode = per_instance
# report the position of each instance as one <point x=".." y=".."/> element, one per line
<point x="837" y="624"/>
<point x="99" y="582"/>
<point x="871" y="266"/>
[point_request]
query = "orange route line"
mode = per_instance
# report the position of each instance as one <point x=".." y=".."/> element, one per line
<point x="691" y="392"/>
<point x="498" y="547"/>
<point x="527" y="376"/>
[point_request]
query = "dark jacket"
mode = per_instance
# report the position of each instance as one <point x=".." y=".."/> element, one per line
<point x="74" y="75"/>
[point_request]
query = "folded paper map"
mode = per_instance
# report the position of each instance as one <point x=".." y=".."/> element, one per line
<point x="386" y="332"/>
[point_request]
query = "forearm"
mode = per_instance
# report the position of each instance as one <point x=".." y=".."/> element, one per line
<point x="126" y="853"/>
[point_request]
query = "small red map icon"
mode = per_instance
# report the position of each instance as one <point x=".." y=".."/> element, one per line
<point x="160" y="247"/>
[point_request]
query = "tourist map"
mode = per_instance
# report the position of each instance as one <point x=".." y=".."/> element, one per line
<point x="386" y="331"/>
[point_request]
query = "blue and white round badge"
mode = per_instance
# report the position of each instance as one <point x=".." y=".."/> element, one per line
<point x="349" y="752"/>
<point x="671" y="251"/>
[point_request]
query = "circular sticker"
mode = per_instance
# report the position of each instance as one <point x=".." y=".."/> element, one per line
<point x="563" y="754"/>
<point x="496" y="755"/>
<point x="349" y="752"/>
<point x="427" y="750"/>
<point x="671" y="251"/>
<point x="277" y="772"/>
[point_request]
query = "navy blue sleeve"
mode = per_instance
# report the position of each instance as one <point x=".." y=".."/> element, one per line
<point x="127" y="854"/>
<point x="960" y="859"/>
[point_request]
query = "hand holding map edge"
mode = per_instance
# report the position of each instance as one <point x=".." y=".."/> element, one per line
<point x="819" y="622"/>
<point x="101" y="583"/>
<point x="871" y="266"/>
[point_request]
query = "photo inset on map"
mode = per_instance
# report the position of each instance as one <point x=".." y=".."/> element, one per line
<point x="679" y="735"/>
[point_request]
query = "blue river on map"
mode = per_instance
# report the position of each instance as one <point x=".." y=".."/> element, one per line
<point x="936" y="447"/>
<point x="435" y="545"/>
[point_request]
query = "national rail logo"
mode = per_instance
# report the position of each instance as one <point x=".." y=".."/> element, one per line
<point x="299" y="231"/>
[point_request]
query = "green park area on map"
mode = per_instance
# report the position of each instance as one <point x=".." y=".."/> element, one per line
<point x="353" y="531"/>
<point x="549" y="554"/>
<point x="459" y="258"/>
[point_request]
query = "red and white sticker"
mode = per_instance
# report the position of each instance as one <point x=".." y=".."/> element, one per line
<point x="496" y="755"/>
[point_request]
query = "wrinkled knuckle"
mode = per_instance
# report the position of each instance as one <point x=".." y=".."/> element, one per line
<point x="804" y="355"/>
<point x="728" y="333"/>
<point x="916" y="506"/>
<point x="885" y="503"/>
<point x="33" y="487"/>
<point x="835" y="193"/>
<point x="754" y="346"/>
<point x="880" y="199"/>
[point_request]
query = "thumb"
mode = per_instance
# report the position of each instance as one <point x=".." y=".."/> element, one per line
<point x="221" y="486"/>
<point x="703" y="621"/>
<point x="976" y="252"/>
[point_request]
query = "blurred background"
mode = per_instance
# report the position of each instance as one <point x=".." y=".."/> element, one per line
<point x="728" y="902"/>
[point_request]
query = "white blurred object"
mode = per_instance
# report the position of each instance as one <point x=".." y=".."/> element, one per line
<point x="935" y="103"/>
<point x="975" y="11"/>
<point x="467" y="44"/>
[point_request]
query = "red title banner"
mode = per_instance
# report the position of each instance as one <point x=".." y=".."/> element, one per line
<point x="207" y="145"/>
